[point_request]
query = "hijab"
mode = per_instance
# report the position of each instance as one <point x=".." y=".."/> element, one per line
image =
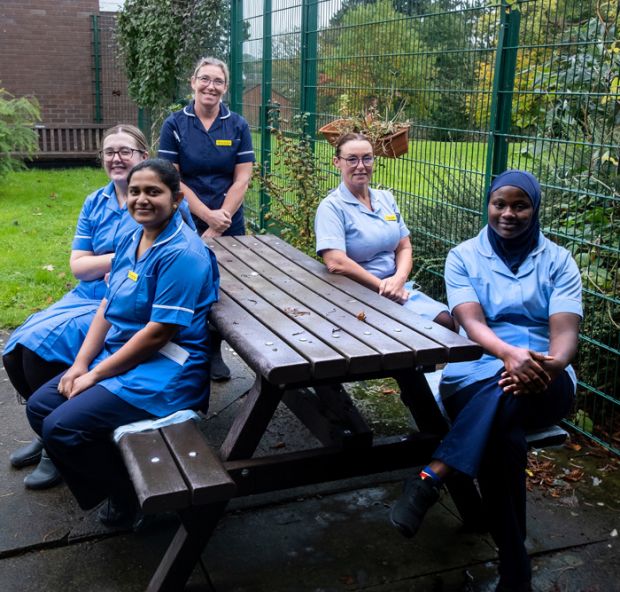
<point x="513" y="251"/>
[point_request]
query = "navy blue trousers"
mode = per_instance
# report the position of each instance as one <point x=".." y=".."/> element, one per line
<point x="77" y="434"/>
<point x="487" y="441"/>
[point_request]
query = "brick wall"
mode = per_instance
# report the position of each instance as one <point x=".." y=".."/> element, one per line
<point x="45" y="51"/>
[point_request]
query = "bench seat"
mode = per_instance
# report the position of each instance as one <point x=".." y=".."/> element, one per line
<point x="173" y="468"/>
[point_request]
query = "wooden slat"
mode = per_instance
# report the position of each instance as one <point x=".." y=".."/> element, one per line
<point x="261" y="349"/>
<point x="202" y="469"/>
<point x="296" y="302"/>
<point x="325" y="361"/>
<point x="424" y="350"/>
<point x="154" y="473"/>
<point x="459" y="348"/>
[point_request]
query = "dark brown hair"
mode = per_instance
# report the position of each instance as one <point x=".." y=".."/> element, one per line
<point x="350" y="137"/>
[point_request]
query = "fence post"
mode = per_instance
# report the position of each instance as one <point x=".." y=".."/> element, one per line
<point x="96" y="67"/>
<point x="309" y="45"/>
<point x="236" y="56"/>
<point x="265" y="127"/>
<point x="501" y="95"/>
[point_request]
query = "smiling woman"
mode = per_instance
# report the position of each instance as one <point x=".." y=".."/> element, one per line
<point x="146" y="353"/>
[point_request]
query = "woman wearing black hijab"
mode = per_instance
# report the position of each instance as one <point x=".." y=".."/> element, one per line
<point x="518" y="295"/>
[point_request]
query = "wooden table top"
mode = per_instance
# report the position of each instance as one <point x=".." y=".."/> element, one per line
<point x="293" y="322"/>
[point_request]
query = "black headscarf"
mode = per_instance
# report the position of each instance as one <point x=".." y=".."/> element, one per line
<point x="513" y="251"/>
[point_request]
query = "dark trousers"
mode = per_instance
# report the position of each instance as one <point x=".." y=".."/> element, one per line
<point x="77" y="434"/>
<point x="487" y="440"/>
<point x="27" y="371"/>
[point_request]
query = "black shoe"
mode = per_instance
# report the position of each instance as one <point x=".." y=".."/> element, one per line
<point x="219" y="370"/>
<point x="46" y="475"/>
<point x="27" y="455"/>
<point x="409" y="510"/>
<point x="118" y="511"/>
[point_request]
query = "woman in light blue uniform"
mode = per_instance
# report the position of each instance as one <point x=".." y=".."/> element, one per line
<point x="47" y="342"/>
<point x="360" y="233"/>
<point x="146" y="354"/>
<point x="519" y="296"/>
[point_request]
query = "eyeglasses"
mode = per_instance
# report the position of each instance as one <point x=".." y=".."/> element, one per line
<point x="124" y="152"/>
<point x="353" y="161"/>
<point x="207" y="80"/>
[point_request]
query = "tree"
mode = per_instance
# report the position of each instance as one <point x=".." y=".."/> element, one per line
<point x="392" y="66"/>
<point x="17" y="119"/>
<point x="162" y="39"/>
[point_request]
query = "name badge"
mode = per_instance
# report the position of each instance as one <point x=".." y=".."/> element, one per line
<point x="390" y="217"/>
<point x="223" y="142"/>
<point x="132" y="275"/>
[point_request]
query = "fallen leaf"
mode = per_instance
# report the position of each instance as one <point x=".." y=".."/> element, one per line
<point x="389" y="391"/>
<point x="361" y="316"/>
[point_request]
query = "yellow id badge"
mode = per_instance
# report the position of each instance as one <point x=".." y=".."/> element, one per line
<point x="223" y="142"/>
<point x="132" y="275"/>
<point x="390" y="217"/>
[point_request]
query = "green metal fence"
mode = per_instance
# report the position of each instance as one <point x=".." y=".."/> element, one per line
<point x="532" y="85"/>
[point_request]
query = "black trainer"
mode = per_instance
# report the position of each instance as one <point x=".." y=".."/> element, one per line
<point x="409" y="510"/>
<point x="219" y="370"/>
<point x="46" y="474"/>
<point x="118" y="511"/>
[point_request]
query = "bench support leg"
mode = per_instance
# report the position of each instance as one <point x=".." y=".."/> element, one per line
<point x="417" y="396"/>
<point x="252" y="420"/>
<point x="183" y="553"/>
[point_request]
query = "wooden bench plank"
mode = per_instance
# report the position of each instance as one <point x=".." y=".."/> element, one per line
<point x="202" y="469"/>
<point x="325" y="361"/>
<point x="459" y="348"/>
<point x="263" y="350"/>
<point x="360" y="355"/>
<point x="424" y="350"/>
<point x="153" y="472"/>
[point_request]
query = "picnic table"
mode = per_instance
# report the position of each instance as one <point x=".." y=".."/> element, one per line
<point x="304" y="332"/>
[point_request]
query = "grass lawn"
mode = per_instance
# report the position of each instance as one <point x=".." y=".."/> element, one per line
<point x="38" y="213"/>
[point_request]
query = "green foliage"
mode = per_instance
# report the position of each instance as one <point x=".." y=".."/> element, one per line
<point x="162" y="39"/>
<point x="38" y="213"/>
<point x="293" y="183"/>
<point x="17" y="136"/>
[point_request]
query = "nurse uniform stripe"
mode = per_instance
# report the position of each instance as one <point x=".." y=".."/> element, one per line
<point x="83" y="236"/>
<point x="189" y="310"/>
<point x="246" y="152"/>
<point x="168" y="152"/>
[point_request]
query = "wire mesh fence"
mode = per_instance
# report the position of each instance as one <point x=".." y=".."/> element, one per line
<point x="486" y="87"/>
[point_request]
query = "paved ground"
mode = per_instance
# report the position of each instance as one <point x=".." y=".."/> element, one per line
<point x="331" y="538"/>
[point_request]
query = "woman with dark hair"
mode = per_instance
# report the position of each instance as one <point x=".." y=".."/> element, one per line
<point x="518" y="295"/>
<point x="145" y="355"/>
<point x="46" y="343"/>
<point x="360" y="233"/>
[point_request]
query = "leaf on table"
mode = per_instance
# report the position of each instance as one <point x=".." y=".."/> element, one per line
<point x="295" y="312"/>
<point x="361" y="316"/>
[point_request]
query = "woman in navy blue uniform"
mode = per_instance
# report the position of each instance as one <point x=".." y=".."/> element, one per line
<point x="518" y="295"/>
<point x="211" y="148"/>
<point x="47" y="342"/>
<point x="146" y="353"/>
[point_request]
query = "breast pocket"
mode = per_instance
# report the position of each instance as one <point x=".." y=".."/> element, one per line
<point x="144" y="297"/>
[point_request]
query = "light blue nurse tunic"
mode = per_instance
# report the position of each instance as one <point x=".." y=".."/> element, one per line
<point x="175" y="281"/>
<point x="517" y="306"/>
<point x="369" y="237"/>
<point x="56" y="333"/>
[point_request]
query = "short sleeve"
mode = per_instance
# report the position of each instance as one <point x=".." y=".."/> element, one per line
<point x="566" y="293"/>
<point x="246" y="150"/>
<point x="459" y="288"/>
<point x="83" y="238"/>
<point x="329" y="228"/>
<point x="177" y="292"/>
<point x="169" y="141"/>
<point x="402" y="227"/>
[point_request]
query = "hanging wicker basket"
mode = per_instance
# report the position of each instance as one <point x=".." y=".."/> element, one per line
<point x="390" y="146"/>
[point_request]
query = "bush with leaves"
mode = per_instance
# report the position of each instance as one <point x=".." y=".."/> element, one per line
<point x="293" y="183"/>
<point x="18" y="138"/>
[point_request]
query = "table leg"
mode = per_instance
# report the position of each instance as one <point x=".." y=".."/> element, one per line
<point x="183" y="553"/>
<point x="252" y="420"/>
<point x="417" y="396"/>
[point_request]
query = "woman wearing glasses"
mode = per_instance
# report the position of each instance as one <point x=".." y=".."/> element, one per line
<point x="211" y="147"/>
<point x="47" y="342"/>
<point x="360" y="233"/>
